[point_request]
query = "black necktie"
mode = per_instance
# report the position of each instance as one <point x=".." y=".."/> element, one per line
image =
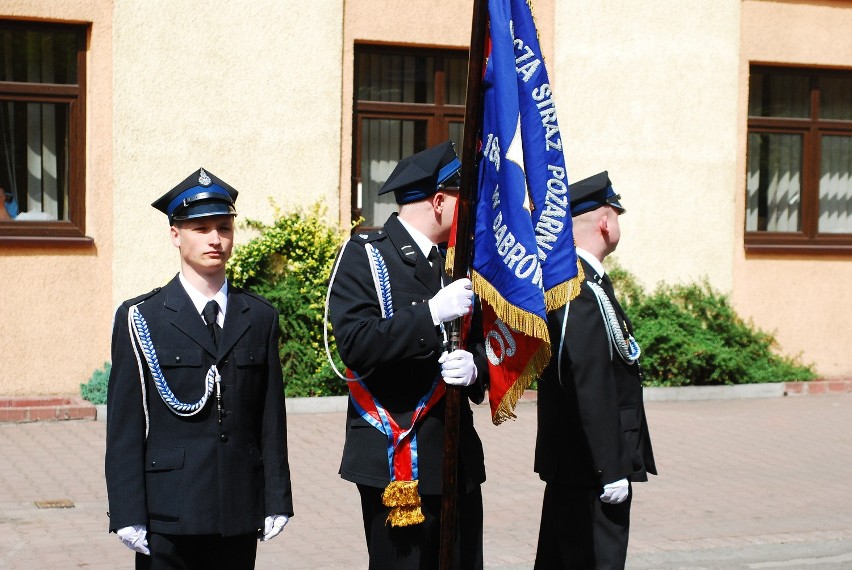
<point x="211" y="309"/>
<point x="607" y="285"/>
<point x="437" y="261"/>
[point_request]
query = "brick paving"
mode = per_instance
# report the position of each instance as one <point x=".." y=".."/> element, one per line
<point x="750" y="475"/>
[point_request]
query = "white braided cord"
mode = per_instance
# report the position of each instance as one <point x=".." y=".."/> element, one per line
<point x="562" y="341"/>
<point x="143" y="337"/>
<point x="132" y="334"/>
<point x="381" y="281"/>
<point x="627" y="348"/>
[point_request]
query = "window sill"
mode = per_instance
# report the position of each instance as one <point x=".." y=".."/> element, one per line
<point x="47" y="241"/>
<point x="799" y="249"/>
<point x="43" y="234"/>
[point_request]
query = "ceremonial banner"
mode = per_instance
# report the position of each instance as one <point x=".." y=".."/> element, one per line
<point x="524" y="261"/>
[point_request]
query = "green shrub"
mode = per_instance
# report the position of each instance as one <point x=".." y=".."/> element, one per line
<point x="289" y="263"/>
<point x="95" y="390"/>
<point x="691" y="335"/>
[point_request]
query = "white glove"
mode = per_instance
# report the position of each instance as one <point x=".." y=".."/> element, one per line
<point x="615" y="493"/>
<point x="453" y="301"/>
<point x="133" y="538"/>
<point x="458" y="368"/>
<point x="273" y="525"/>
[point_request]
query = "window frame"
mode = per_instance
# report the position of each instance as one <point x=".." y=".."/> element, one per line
<point x="71" y="232"/>
<point x="808" y="240"/>
<point x="438" y="115"/>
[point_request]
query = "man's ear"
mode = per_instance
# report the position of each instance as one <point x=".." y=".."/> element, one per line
<point x="438" y="199"/>
<point x="173" y="231"/>
<point x="603" y="223"/>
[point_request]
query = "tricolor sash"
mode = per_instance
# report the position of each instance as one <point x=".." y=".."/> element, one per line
<point x="401" y="494"/>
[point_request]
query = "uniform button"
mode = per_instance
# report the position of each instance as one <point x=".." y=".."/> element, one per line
<point x="223" y="438"/>
<point x="177" y="358"/>
<point x="251" y="358"/>
<point x="153" y="463"/>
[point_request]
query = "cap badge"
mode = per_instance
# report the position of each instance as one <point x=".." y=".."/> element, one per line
<point x="203" y="178"/>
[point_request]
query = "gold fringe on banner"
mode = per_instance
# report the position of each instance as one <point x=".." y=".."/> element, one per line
<point x="537" y="363"/>
<point x="557" y="297"/>
<point x="528" y="323"/>
<point x="450" y="260"/>
<point x="404" y="499"/>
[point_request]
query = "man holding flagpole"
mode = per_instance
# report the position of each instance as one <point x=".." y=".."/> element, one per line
<point x="593" y="440"/>
<point x="389" y="302"/>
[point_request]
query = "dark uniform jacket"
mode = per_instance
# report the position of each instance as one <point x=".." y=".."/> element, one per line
<point x="192" y="475"/>
<point x="591" y="422"/>
<point x="402" y="353"/>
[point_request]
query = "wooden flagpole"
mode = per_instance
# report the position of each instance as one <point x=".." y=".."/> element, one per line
<point x="461" y="262"/>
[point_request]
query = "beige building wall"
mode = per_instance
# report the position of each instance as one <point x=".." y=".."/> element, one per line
<point x="248" y="90"/>
<point x="261" y="94"/>
<point x="647" y="91"/>
<point x="436" y="23"/>
<point x="806" y="300"/>
<point x="55" y="308"/>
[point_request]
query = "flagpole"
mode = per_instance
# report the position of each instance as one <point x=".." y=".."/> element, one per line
<point x="461" y="262"/>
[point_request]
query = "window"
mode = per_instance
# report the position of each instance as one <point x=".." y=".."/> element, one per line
<point x="799" y="165"/>
<point x="406" y="100"/>
<point x="42" y="133"/>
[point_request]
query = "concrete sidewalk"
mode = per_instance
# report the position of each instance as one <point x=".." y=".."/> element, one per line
<point x="750" y="483"/>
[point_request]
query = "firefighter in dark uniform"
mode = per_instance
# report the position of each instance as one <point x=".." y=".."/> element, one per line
<point x="196" y="456"/>
<point x="389" y="302"/>
<point x="593" y="440"/>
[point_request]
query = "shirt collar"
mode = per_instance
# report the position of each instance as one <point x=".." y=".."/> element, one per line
<point x="424" y="243"/>
<point x="593" y="261"/>
<point x="199" y="299"/>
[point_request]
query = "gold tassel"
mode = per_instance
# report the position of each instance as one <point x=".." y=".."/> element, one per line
<point x="404" y="499"/>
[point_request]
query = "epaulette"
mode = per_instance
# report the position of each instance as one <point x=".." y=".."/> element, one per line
<point x="367" y="237"/>
<point x="140" y="298"/>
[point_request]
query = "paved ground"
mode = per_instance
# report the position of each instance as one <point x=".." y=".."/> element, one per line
<point x="753" y="484"/>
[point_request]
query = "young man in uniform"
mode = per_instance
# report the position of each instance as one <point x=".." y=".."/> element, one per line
<point x="593" y="438"/>
<point x="196" y="457"/>
<point x="390" y="304"/>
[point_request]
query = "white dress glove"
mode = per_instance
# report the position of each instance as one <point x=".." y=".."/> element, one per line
<point x="615" y="493"/>
<point x="134" y="538"/>
<point x="273" y="525"/>
<point x="453" y="301"/>
<point x="458" y="368"/>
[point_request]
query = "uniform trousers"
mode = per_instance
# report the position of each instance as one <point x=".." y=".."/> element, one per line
<point x="417" y="547"/>
<point x="198" y="552"/>
<point x="580" y="532"/>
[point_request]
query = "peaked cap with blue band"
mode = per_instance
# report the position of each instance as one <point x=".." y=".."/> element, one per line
<point x="593" y="192"/>
<point x="201" y="194"/>
<point x="420" y="175"/>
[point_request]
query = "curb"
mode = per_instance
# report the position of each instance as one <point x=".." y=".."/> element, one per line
<point x="40" y="408"/>
<point x="734" y="392"/>
<point x="51" y="408"/>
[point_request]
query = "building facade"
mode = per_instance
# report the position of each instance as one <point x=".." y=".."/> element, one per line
<point x="726" y="126"/>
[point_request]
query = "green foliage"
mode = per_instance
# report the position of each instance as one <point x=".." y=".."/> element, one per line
<point x="289" y="263"/>
<point x="691" y="335"/>
<point x="95" y="390"/>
